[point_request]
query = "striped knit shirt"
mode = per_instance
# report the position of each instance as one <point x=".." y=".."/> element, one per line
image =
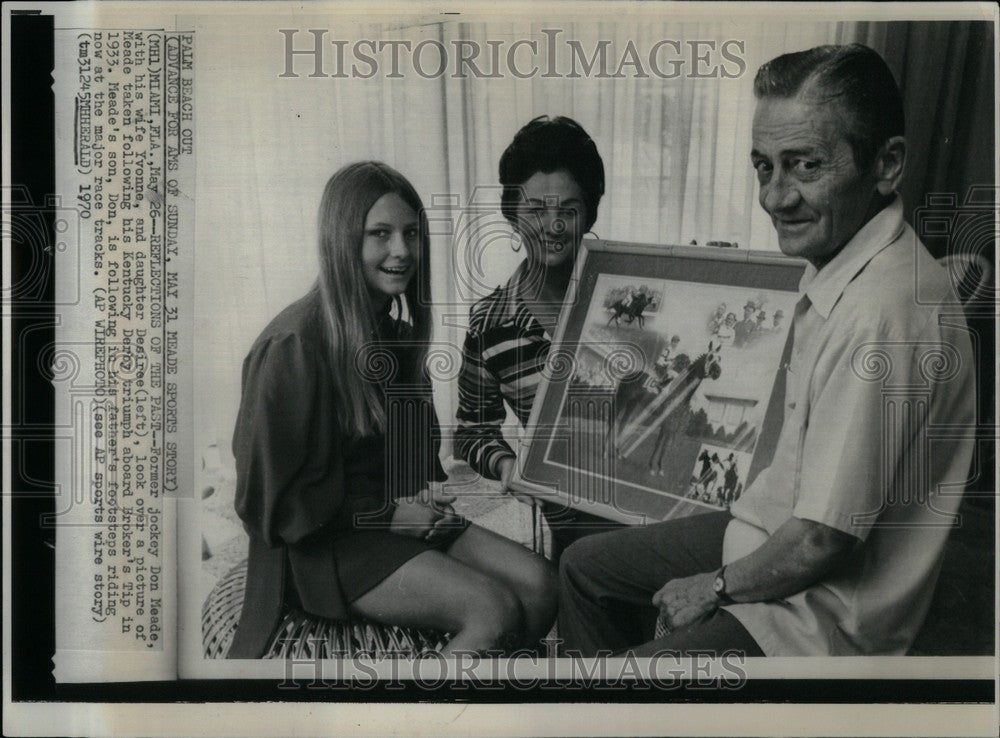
<point x="502" y="360"/>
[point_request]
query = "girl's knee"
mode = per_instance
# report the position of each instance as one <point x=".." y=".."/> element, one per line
<point x="496" y="608"/>
<point x="539" y="584"/>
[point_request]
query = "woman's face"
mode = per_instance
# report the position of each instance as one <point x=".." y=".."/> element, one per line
<point x="551" y="217"/>
<point x="390" y="246"/>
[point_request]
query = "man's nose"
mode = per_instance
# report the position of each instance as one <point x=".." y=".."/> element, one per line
<point x="779" y="193"/>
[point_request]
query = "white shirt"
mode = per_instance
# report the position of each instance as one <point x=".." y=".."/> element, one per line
<point x="877" y="442"/>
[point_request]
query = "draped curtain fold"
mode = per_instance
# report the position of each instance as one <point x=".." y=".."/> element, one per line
<point x="946" y="74"/>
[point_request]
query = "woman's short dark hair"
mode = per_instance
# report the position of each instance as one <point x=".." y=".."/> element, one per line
<point x="547" y="145"/>
<point x="854" y="76"/>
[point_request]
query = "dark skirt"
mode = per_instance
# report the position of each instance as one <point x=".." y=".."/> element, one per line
<point x="367" y="554"/>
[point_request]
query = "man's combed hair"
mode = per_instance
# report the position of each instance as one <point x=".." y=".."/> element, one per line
<point x="547" y="145"/>
<point x="855" y="77"/>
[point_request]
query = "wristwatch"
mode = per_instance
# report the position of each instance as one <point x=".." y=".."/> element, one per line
<point x="719" y="587"/>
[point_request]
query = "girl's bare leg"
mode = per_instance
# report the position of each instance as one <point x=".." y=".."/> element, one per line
<point x="435" y="590"/>
<point x="533" y="579"/>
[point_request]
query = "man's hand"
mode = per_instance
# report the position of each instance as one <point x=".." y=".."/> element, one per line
<point x="418" y="516"/>
<point x="798" y="554"/>
<point x="685" y="601"/>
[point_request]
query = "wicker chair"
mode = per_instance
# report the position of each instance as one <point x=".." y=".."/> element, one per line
<point x="305" y="636"/>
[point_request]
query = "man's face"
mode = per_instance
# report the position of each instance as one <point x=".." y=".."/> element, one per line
<point x="809" y="183"/>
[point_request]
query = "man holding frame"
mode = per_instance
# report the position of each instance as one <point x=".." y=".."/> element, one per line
<point x="835" y="547"/>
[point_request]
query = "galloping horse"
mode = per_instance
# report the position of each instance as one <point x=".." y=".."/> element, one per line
<point x="631" y="309"/>
<point x="681" y="389"/>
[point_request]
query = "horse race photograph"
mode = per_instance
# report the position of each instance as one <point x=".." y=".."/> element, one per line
<point x="670" y="384"/>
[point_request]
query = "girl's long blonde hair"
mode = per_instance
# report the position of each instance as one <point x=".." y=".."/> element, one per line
<point x="350" y="322"/>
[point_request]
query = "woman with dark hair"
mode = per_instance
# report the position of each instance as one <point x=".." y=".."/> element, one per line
<point x="336" y="448"/>
<point x="553" y="181"/>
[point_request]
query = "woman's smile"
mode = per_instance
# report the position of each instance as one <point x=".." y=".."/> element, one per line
<point x="390" y="247"/>
<point x="398" y="271"/>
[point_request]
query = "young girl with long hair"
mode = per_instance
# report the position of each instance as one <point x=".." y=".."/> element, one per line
<point x="336" y="448"/>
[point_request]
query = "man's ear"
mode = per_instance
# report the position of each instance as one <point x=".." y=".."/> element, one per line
<point x="889" y="165"/>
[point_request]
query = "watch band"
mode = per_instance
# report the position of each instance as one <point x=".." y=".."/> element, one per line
<point x="720" y="588"/>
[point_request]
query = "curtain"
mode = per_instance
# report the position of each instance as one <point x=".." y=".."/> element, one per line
<point x="945" y="71"/>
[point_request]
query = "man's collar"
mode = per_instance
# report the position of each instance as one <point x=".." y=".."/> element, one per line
<point x="824" y="287"/>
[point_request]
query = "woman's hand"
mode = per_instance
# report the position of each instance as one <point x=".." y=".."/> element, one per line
<point x="448" y="520"/>
<point x="412" y="517"/>
<point x="419" y="516"/>
<point x="506" y="465"/>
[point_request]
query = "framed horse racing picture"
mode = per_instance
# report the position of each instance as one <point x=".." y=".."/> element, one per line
<point x="662" y="393"/>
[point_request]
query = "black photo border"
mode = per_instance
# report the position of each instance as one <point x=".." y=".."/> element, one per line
<point x="32" y="584"/>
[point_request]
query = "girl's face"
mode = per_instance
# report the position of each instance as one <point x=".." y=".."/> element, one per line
<point x="551" y="217"/>
<point x="390" y="247"/>
<point x="731" y="319"/>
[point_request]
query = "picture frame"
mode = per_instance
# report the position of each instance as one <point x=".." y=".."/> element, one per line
<point x="661" y="395"/>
